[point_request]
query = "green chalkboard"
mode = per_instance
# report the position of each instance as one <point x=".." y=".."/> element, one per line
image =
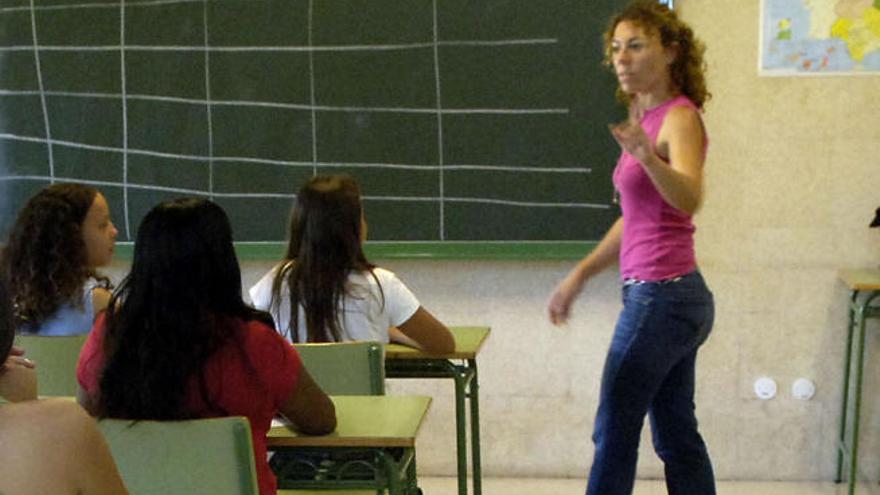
<point x="463" y="120"/>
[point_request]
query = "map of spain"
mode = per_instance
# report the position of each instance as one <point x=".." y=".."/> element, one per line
<point x="820" y="36"/>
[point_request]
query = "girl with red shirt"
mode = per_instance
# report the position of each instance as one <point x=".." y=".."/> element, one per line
<point x="182" y="344"/>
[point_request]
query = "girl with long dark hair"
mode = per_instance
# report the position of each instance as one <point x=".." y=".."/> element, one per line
<point x="337" y="293"/>
<point x="180" y="342"/>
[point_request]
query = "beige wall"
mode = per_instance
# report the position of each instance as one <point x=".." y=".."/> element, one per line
<point x="792" y="180"/>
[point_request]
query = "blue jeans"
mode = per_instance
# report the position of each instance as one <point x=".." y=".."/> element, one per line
<point x="650" y="370"/>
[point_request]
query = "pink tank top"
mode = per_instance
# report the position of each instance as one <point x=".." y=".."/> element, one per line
<point x="658" y="239"/>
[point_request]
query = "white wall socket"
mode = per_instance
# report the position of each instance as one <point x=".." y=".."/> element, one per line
<point x="803" y="389"/>
<point x="765" y="388"/>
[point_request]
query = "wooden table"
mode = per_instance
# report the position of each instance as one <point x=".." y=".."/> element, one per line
<point x="461" y="366"/>
<point x="379" y="431"/>
<point x="864" y="286"/>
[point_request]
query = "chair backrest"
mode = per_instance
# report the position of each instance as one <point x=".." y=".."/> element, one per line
<point x="212" y="456"/>
<point x="56" y="359"/>
<point x="346" y="368"/>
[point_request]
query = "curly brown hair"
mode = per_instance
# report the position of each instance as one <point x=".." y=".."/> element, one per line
<point x="44" y="262"/>
<point x="687" y="71"/>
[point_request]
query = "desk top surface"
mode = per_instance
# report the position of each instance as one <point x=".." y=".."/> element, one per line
<point x="363" y="421"/>
<point x="860" y="278"/>
<point x="468" y="341"/>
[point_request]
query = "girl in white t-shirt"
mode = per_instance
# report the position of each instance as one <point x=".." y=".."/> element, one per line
<point x="339" y="295"/>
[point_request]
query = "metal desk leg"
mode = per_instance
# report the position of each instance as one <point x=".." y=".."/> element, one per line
<point x="475" y="428"/>
<point x="392" y="473"/>
<point x="412" y="483"/>
<point x="862" y="313"/>
<point x="860" y="359"/>
<point x="461" y="378"/>
<point x="841" y="446"/>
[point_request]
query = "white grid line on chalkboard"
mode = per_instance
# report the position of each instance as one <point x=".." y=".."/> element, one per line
<point x="296" y="48"/>
<point x="41" y="89"/>
<point x="208" y="102"/>
<point x="143" y="3"/>
<point x="145" y="187"/>
<point x="508" y="202"/>
<point x="292" y="106"/>
<point x="294" y="163"/>
<point x="124" y="120"/>
<point x="503" y="168"/>
<point x="438" y="93"/>
<point x="199" y="192"/>
<point x="312" y="98"/>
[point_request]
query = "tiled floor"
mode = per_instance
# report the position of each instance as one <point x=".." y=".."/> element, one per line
<point x="523" y="486"/>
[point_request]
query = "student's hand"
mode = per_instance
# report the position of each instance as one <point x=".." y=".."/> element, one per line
<point x="559" y="305"/>
<point x="18" y="382"/>
<point x="17" y="356"/>
<point x="630" y="135"/>
<point x="398" y="337"/>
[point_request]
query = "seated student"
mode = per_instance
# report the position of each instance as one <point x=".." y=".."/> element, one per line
<point x="181" y="344"/>
<point x="339" y="295"/>
<point x="46" y="446"/>
<point x="60" y="236"/>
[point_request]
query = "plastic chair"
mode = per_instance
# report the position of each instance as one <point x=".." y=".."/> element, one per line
<point x="212" y="456"/>
<point x="346" y="368"/>
<point x="56" y="359"/>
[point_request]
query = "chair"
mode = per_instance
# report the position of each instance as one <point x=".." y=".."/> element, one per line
<point x="56" y="359"/>
<point x="346" y="368"/>
<point x="212" y="456"/>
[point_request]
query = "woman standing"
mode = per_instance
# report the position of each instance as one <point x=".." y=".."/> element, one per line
<point x="667" y="309"/>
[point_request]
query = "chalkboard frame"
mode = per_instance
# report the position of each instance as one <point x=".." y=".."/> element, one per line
<point x="437" y="251"/>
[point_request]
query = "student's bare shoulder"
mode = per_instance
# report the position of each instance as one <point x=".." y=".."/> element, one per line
<point x="60" y="439"/>
<point x="100" y="299"/>
<point x="63" y="417"/>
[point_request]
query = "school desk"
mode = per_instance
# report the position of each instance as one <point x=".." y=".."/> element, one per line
<point x="864" y="286"/>
<point x="461" y="366"/>
<point x="373" y="446"/>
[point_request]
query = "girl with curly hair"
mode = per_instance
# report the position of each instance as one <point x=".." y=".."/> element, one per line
<point x="60" y="237"/>
<point x="668" y="310"/>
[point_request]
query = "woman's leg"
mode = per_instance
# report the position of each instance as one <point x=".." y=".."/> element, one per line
<point x="649" y="342"/>
<point x="676" y="438"/>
